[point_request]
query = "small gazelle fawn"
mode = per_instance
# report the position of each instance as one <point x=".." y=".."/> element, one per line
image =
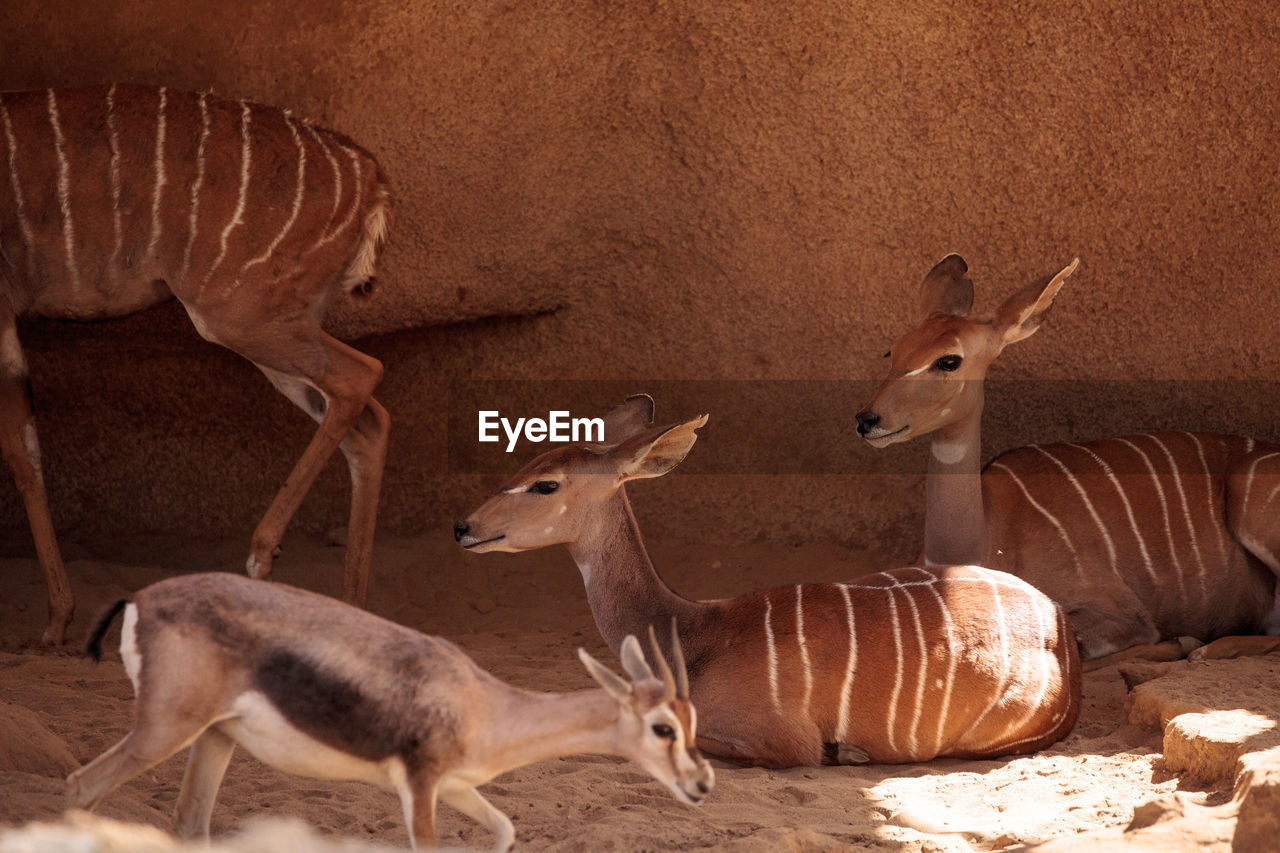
<point x="318" y="688"/>
<point x="1141" y="538"/>
<point x="898" y="666"/>
<point x="115" y="198"/>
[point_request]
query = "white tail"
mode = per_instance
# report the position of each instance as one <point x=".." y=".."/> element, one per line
<point x="317" y="688"/>
<point x="1141" y="538"/>
<point x="905" y="665"/>
<point x="117" y="197"/>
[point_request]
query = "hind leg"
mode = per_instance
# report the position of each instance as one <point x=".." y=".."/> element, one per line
<point x="210" y="755"/>
<point x="1253" y="517"/>
<point x="21" y="450"/>
<point x="473" y="805"/>
<point x="141" y="749"/>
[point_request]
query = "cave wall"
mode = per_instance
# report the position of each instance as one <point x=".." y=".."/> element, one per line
<point x="728" y="204"/>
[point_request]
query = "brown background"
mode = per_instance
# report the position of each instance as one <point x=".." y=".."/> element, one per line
<point x="740" y="195"/>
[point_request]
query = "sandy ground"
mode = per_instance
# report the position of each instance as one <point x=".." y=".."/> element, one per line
<point x="521" y="616"/>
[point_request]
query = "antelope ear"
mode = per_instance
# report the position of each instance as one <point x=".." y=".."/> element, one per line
<point x="1021" y="314"/>
<point x="605" y="677"/>
<point x="627" y="419"/>
<point x="946" y="289"/>
<point x="654" y="452"/>
<point x="633" y="660"/>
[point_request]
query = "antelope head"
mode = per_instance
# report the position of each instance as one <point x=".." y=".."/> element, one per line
<point x="935" y="380"/>
<point x="558" y="495"/>
<point x="657" y="726"/>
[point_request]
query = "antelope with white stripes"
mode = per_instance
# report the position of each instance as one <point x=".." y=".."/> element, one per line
<point x="317" y="688"/>
<point x="116" y="197"/>
<point x="1143" y="539"/>
<point x="898" y="666"/>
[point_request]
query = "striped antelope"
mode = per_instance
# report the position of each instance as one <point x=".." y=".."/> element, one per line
<point x="119" y="197"/>
<point x="1142" y="538"/>
<point x="318" y="688"/>
<point x="897" y="666"/>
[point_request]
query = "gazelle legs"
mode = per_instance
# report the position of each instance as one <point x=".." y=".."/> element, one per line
<point x="206" y="766"/>
<point x="469" y="801"/>
<point x="140" y="750"/>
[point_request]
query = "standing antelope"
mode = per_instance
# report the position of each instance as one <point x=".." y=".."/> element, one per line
<point x="119" y="197"/>
<point x="1141" y="538"/>
<point x="318" y="688"/>
<point x="904" y="665"/>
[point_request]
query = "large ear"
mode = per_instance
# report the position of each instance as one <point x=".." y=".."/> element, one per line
<point x="946" y="289"/>
<point x="627" y="419"/>
<point x="656" y="451"/>
<point x="633" y="660"/>
<point x="605" y="677"/>
<point x="1021" y="314"/>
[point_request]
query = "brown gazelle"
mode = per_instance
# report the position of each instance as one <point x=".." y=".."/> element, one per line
<point x="118" y="197"/>
<point x="315" y="687"/>
<point x="1141" y="538"/>
<point x="904" y="665"/>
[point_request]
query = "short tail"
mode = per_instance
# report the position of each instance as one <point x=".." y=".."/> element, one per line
<point x="93" y="646"/>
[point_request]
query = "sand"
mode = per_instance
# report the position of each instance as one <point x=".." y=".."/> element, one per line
<point x="521" y="616"/>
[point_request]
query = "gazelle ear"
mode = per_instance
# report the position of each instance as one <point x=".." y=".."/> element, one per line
<point x="946" y="289"/>
<point x="1021" y="314"/>
<point x="633" y="660"/>
<point x="605" y="677"/>
<point x="656" y="451"/>
<point x="627" y="419"/>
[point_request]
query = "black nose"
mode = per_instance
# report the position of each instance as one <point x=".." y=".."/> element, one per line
<point x="702" y="787"/>
<point x="867" y="421"/>
<point x="460" y="529"/>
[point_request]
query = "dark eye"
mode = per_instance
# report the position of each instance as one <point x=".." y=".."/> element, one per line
<point x="662" y="730"/>
<point x="544" y="487"/>
<point x="888" y="353"/>
<point x="948" y="363"/>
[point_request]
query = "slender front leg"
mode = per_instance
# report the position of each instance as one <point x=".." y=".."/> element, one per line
<point x="21" y="450"/>
<point x="207" y="765"/>
<point x="470" y="802"/>
<point x="419" y="800"/>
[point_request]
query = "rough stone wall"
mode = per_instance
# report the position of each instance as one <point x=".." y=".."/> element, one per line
<point x="739" y="192"/>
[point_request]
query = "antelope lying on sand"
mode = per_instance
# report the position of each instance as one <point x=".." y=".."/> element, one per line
<point x="1141" y="538"/>
<point x="115" y="198"/>
<point x="897" y="666"/>
<point x="318" y="688"/>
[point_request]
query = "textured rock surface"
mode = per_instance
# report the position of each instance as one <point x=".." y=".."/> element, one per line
<point x="28" y="746"/>
<point x="712" y="191"/>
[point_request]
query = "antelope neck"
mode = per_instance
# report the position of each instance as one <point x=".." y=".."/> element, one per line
<point x="623" y="588"/>
<point x="955" y="524"/>
<point x="537" y="726"/>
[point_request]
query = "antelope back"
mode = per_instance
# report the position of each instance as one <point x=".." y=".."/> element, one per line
<point x="116" y="195"/>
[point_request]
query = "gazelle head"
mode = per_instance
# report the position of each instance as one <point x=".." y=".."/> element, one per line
<point x="937" y="368"/>
<point x="559" y="494"/>
<point x="657" y="726"/>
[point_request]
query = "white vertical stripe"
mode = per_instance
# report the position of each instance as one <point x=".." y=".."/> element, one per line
<point x="1271" y="496"/>
<point x="237" y="217"/>
<point x="64" y="192"/>
<point x="842" y="720"/>
<point x="160" y="177"/>
<point x="1050" y="517"/>
<point x="953" y="658"/>
<point x="1084" y="496"/>
<point x="196" y="185"/>
<point x="1128" y="510"/>
<point x="1036" y="705"/>
<point x="1248" y="445"/>
<point x="297" y="198"/>
<point x="1186" y="512"/>
<point x="1164" y="509"/>
<point x="804" y="651"/>
<point x="891" y="719"/>
<point x="1217" y="513"/>
<point x="923" y="655"/>
<point x="773" y="655"/>
<point x="24" y="225"/>
<point x="1248" y="483"/>
<point x="355" y="199"/>
<point x="117" y="227"/>
<point x="1003" y="657"/>
<point x="337" y="178"/>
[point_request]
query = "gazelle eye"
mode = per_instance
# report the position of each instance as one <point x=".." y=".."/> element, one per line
<point x="662" y="730"/>
<point x="544" y="487"/>
<point x="948" y="363"/>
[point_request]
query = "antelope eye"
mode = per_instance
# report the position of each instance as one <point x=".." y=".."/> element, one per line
<point x="888" y="353"/>
<point x="544" y="487"/>
<point x="948" y="363"/>
<point x="662" y="730"/>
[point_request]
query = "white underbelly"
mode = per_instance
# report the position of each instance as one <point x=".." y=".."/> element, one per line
<point x="259" y="728"/>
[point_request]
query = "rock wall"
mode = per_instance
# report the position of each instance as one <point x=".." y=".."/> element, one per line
<point x="728" y="204"/>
